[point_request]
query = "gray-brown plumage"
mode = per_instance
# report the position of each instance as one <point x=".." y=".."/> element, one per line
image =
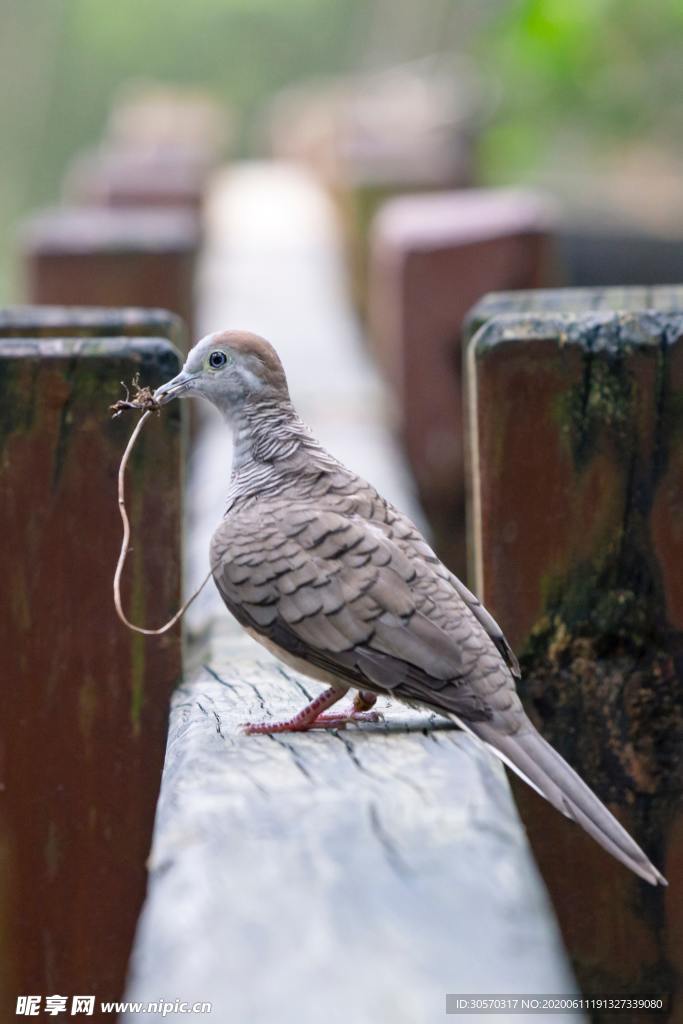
<point x="315" y="564"/>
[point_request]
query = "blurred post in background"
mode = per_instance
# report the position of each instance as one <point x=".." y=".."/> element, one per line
<point x="411" y="128"/>
<point x="432" y="258"/>
<point x="99" y="256"/>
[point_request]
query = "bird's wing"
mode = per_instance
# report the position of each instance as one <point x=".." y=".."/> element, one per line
<point x="345" y="595"/>
<point x="487" y="620"/>
<point x="339" y="592"/>
<point x="400" y="528"/>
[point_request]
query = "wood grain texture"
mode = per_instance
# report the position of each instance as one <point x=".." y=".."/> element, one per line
<point x="358" y="874"/>
<point x="84" y="701"/>
<point x="574" y="420"/>
<point x="664" y="299"/>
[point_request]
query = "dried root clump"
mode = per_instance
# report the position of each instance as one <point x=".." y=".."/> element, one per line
<point x="143" y="398"/>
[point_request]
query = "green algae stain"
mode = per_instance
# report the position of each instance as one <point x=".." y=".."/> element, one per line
<point x="592" y="601"/>
<point x="87" y="710"/>
<point x="614" y="597"/>
<point x="137" y="682"/>
<point x="18" y="412"/>
<point x="66" y="419"/>
<point x="599" y="408"/>
<point x="137" y="650"/>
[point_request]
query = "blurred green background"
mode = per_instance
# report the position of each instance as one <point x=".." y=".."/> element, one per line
<point x="569" y="85"/>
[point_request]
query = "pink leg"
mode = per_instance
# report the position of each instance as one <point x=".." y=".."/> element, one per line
<point x="313" y="717"/>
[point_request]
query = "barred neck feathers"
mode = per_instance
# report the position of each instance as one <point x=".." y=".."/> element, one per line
<point x="271" y="447"/>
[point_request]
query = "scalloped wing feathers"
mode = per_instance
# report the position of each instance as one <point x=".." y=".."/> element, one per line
<point x="365" y="600"/>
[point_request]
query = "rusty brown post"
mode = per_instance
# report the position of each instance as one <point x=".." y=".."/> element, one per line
<point x="576" y="477"/>
<point x="85" y="701"/>
<point x="432" y="258"/>
<point x="111" y="257"/>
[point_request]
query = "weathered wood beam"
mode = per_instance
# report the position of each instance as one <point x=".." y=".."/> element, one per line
<point x="370" y="870"/>
<point x="85" y="701"/>
<point x="577" y="502"/>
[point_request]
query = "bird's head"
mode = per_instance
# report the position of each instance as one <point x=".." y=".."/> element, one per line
<point x="229" y="369"/>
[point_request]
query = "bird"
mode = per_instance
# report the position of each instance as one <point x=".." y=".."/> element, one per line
<point x="341" y="586"/>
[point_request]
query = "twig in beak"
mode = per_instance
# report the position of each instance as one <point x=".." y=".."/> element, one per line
<point x="143" y="398"/>
<point x="126" y="528"/>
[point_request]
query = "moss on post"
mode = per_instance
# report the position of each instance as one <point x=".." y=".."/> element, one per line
<point x="83" y="724"/>
<point x="577" y="499"/>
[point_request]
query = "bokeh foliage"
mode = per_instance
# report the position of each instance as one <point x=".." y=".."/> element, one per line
<point x="588" y="70"/>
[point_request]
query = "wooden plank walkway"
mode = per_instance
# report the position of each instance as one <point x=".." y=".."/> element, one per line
<point x="355" y="876"/>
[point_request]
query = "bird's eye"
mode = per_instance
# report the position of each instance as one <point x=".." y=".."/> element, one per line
<point x="217" y="359"/>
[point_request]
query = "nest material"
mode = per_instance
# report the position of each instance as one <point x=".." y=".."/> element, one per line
<point x="143" y="398"/>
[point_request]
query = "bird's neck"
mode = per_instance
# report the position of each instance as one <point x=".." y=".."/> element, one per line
<point x="270" y="444"/>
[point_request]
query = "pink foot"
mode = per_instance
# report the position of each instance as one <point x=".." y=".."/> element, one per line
<point x="313" y="716"/>
<point x="333" y="720"/>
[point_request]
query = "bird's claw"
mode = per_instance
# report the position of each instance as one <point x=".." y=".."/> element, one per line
<point x="323" y="721"/>
<point x="340" y="721"/>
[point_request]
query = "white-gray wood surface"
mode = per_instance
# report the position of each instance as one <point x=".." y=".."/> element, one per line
<point x="351" y="877"/>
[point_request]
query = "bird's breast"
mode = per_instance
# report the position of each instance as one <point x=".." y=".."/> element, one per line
<point x="292" y="661"/>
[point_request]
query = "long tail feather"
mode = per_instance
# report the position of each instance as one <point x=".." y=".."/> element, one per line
<point x="537" y="762"/>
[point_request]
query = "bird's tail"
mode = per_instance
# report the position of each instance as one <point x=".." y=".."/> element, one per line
<point x="531" y="757"/>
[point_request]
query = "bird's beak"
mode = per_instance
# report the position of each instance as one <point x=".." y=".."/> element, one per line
<point x="174" y="388"/>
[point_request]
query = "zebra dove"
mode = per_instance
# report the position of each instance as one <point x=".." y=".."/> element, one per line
<point x="339" y="584"/>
